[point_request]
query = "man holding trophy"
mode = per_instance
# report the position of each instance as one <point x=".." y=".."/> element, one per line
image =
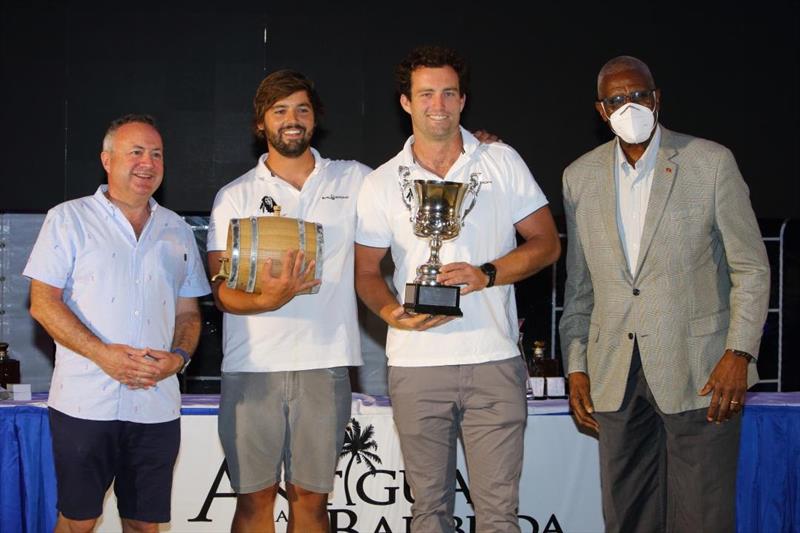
<point x="448" y="207"/>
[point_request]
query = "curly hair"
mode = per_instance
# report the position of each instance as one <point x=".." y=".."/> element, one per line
<point x="279" y="85"/>
<point x="431" y="57"/>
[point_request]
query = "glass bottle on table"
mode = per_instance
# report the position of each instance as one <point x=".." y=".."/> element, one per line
<point x="9" y="368"/>
<point x="537" y="371"/>
<point x="555" y="384"/>
<point x="527" y="358"/>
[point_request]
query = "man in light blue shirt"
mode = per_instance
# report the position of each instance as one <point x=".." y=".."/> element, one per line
<point x="114" y="280"/>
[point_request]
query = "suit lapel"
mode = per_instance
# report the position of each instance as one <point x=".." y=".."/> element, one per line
<point x="663" y="179"/>
<point x="607" y="188"/>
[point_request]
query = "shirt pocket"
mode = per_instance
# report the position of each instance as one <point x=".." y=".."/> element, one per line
<point x="95" y="275"/>
<point x="706" y="325"/>
<point x="166" y="262"/>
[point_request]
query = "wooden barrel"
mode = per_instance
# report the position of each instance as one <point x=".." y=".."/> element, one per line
<point x="253" y="240"/>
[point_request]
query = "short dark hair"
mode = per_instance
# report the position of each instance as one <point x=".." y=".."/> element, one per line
<point x="624" y="64"/>
<point x="117" y="123"/>
<point x="279" y="85"/>
<point x="430" y="56"/>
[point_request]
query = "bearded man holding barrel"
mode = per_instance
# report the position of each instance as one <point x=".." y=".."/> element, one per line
<point x="290" y="329"/>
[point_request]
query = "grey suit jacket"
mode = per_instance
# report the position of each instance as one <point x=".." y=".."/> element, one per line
<point x="702" y="283"/>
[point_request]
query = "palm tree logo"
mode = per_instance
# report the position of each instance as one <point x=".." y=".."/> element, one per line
<point x="358" y="446"/>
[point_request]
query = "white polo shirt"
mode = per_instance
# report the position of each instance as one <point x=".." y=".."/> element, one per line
<point x="488" y="331"/>
<point x="311" y="330"/>
<point x="125" y="291"/>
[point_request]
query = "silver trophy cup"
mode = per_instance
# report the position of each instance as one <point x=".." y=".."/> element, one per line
<point x="437" y="213"/>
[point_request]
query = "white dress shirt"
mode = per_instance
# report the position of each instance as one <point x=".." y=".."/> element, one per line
<point x="633" y="185"/>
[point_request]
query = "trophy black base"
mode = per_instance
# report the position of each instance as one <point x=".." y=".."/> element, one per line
<point x="433" y="299"/>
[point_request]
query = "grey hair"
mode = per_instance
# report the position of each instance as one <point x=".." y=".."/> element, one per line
<point x="108" y="140"/>
<point x="623" y="64"/>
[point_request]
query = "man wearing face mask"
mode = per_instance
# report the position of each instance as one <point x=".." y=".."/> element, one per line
<point x="666" y="295"/>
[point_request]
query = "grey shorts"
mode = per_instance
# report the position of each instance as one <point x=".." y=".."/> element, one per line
<point x="290" y="420"/>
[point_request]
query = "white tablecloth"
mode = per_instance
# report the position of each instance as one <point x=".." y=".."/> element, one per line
<point x="560" y="489"/>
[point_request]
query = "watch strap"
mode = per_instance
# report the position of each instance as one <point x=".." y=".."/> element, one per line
<point x="745" y="355"/>
<point x="490" y="270"/>
<point x="186" y="358"/>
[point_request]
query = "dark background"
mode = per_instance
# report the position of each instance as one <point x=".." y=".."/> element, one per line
<point x="728" y="71"/>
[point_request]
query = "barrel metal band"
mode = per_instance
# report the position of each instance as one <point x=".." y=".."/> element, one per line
<point x="235" y="238"/>
<point x="320" y="250"/>
<point x="301" y="238"/>
<point x="251" y="280"/>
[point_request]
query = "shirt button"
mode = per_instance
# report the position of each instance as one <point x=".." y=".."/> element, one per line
<point x="136" y="313"/>
<point x="630" y="336"/>
<point x="636" y="292"/>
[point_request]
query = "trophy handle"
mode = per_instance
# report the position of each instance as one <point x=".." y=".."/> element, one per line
<point x="473" y="189"/>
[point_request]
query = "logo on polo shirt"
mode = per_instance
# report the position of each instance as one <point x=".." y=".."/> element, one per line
<point x="268" y="204"/>
<point x="335" y="197"/>
<point x="478" y="176"/>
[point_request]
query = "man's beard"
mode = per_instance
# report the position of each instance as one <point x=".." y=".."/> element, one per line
<point x="292" y="148"/>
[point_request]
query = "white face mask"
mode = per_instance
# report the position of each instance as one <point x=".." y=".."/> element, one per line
<point x="633" y="123"/>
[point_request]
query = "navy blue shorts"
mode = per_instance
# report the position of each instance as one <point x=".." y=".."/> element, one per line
<point x="139" y="458"/>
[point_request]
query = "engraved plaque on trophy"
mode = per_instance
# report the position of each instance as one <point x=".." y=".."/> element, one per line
<point x="437" y="214"/>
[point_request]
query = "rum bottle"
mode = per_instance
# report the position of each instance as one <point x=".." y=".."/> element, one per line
<point x="9" y="368"/>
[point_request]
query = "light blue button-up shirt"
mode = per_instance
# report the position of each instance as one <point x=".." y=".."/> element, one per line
<point x="124" y="290"/>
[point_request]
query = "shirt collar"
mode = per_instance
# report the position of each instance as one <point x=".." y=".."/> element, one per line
<point x="469" y="148"/>
<point x="108" y="205"/>
<point x="648" y="158"/>
<point x="262" y="172"/>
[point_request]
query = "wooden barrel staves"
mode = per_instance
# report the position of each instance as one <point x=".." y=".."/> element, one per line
<point x="251" y="241"/>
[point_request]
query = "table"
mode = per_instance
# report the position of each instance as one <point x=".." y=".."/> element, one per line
<point x="768" y="481"/>
<point x="560" y="488"/>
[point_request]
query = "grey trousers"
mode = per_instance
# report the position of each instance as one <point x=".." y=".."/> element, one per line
<point x="660" y="472"/>
<point x="486" y="404"/>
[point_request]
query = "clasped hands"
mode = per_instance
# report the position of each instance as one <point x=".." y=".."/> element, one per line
<point x="138" y="368"/>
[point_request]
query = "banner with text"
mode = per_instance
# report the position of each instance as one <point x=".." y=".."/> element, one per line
<point x="560" y="489"/>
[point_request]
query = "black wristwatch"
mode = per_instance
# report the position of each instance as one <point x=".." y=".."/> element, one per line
<point x="491" y="271"/>
<point x="746" y="355"/>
